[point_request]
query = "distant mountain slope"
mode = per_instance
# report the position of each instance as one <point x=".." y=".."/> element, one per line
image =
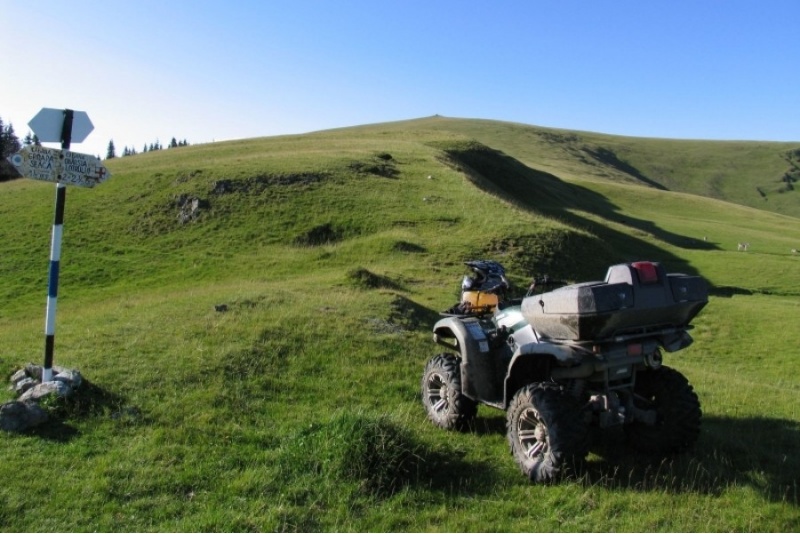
<point x="762" y="175"/>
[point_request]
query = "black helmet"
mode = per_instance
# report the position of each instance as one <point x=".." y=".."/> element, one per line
<point x="488" y="276"/>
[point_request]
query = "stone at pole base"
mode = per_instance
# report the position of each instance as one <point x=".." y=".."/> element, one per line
<point x="25" y="412"/>
<point x="16" y="416"/>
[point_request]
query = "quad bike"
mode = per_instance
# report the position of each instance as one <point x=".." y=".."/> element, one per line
<point x="562" y="360"/>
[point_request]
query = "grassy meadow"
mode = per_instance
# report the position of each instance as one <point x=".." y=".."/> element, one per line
<point x="253" y="318"/>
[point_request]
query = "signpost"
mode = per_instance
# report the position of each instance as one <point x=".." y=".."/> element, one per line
<point x="62" y="167"/>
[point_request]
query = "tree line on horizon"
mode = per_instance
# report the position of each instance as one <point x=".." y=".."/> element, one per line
<point x="111" y="151"/>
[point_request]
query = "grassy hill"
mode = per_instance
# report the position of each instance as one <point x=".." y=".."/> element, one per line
<point x="762" y="175"/>
<point x="254" y="316"/>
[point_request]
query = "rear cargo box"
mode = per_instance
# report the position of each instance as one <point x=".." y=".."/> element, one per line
<point x="635" y="297"/>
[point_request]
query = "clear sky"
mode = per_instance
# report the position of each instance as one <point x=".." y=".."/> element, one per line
<point x="207" y="71"/>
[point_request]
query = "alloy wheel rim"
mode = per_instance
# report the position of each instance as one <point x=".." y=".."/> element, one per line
<point x="531" y="433"/>
<point x="437" y="393"/>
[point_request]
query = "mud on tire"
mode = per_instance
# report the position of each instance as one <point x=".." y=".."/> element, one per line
<point x="444" y="403"/>
<point x="677" y="409"/>
<point x="548" y="436"/>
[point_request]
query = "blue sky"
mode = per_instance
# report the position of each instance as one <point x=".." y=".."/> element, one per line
<point x="210" y="71"/>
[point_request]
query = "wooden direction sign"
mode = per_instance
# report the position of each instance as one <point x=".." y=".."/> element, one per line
<point x="48" y="125"/>
<point x="60" y="166"/>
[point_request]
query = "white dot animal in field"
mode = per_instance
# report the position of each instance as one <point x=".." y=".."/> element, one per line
<point x="794" y="251"/>
<point x="743" y="247"/>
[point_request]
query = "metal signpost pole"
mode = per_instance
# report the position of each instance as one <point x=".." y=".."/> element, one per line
<point x="63" y="167"/>
<point x="55" y="257"/>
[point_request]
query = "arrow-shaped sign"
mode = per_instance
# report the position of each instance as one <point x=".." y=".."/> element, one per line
<point x="61" y="166"/>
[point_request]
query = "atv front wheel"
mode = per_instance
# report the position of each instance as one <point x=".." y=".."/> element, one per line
<point x="677" y="412"/>
<point x="446" y="406"/>
<point x="547" y="434"/>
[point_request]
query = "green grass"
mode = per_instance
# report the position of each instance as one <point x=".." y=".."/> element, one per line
<point x="296" y="408"/>
<point x="749" y="173"/>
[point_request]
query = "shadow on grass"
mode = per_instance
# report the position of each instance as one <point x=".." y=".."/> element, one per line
<point x="493" y="424"/>
<point x="760" y="453"/>
<point x="89" y="400"/>
<point x="728" y="291"/>
<point x="54" y="430"/>
<point x="606" y="156"/>
<point x="411" y="315"/>
<point x="543" y="193"/>
<point x="362" y="278"/>
<point x="448" y="472"/>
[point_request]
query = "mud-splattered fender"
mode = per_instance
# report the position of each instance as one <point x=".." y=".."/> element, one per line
<point x="534" y="362"/>
<point x="478" y="380"/>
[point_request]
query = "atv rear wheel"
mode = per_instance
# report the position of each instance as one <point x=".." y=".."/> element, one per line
<point x="677" y="408"/>
<point x="546" y="431"/>
<point x="446" y="406"/>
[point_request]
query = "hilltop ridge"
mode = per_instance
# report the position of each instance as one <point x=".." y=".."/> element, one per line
<point x="759" y="174"/>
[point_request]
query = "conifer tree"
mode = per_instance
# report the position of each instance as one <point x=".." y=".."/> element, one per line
<point x="111" y="153"/>
<point x="9" y="143"/>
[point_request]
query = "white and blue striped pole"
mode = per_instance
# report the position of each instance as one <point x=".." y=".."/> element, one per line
<point x="55" y="258"/>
